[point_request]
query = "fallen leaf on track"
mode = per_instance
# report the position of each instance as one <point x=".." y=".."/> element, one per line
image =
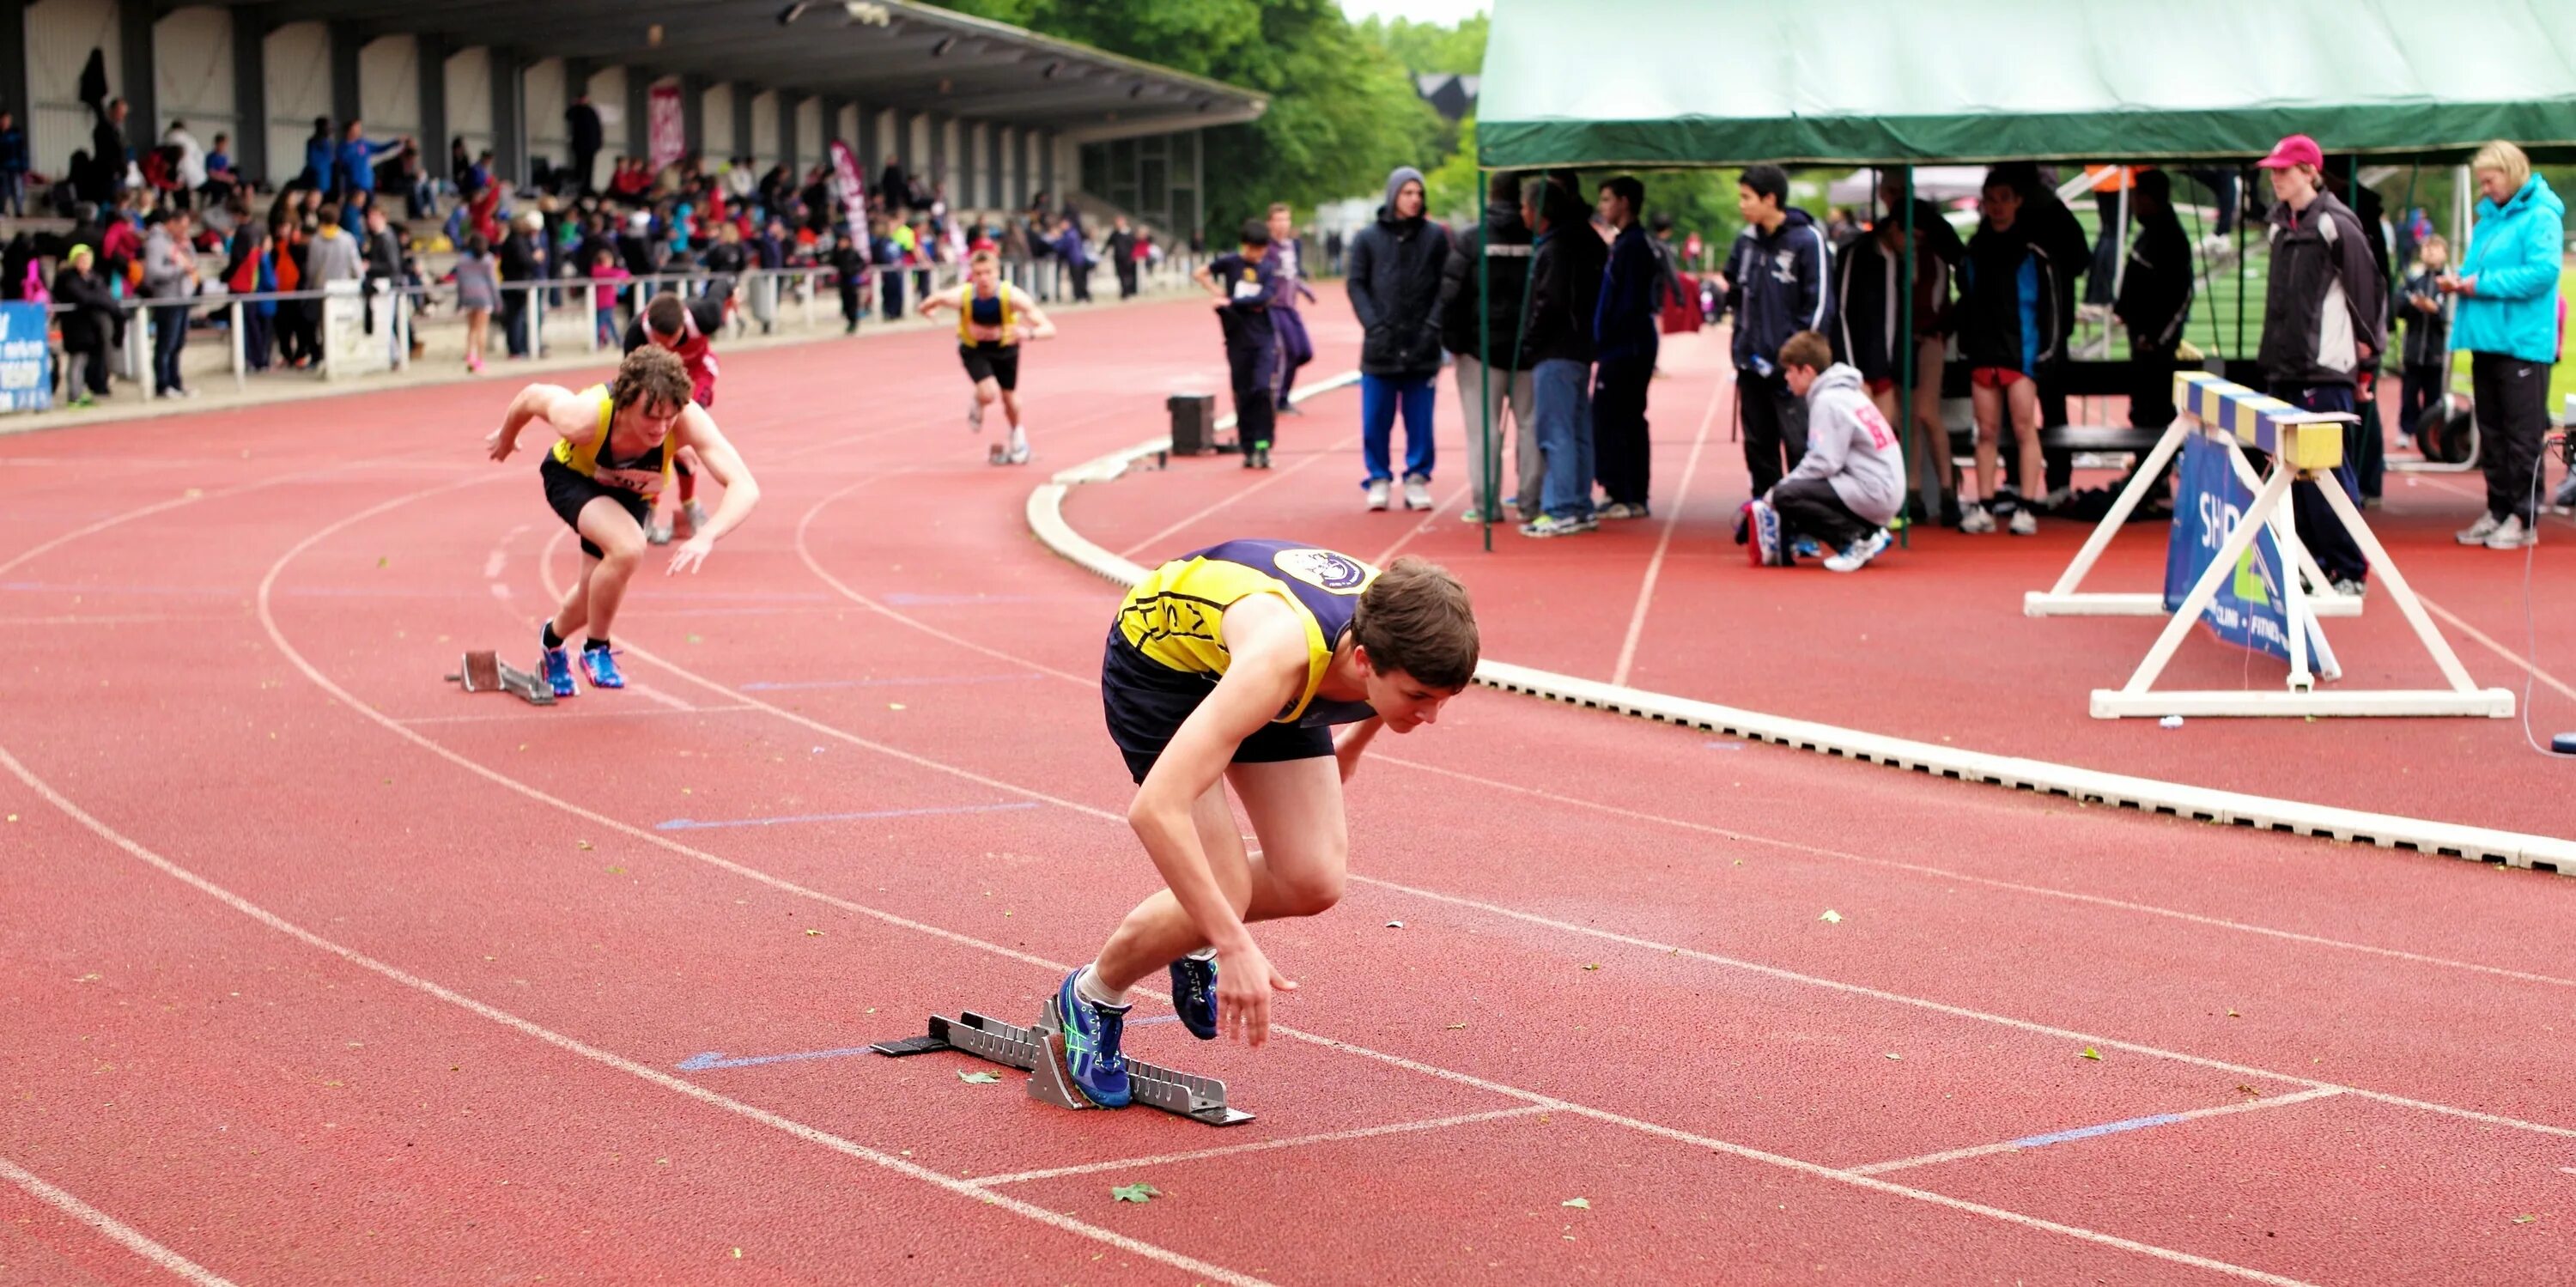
<point x="1134" y="1193"/>
<point x="2524" y="1219"/>
<point x="979" y="1078"/>
<point x="2092" y="1054"/>
<point x="2245" y="1089"/>
<point x="813" y="933"/>
<point x="583" y="843"/>
<point x="1584" y="1203"/>
<point x="1593" y="966"/>
<point x="1831" y="917"/>
<point x="1456" y="1026"/>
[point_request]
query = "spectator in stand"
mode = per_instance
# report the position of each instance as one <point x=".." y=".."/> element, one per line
<point x="410" y="174"/>
<point x="2154" y="298"/>
<point x="356" y="164"/>
<point x="2321" y="311"/>
<point x="888" y="256"/>
<point x="382" y="249"/>
<point x="13" y="166"/>
<point x="222" y="182"/>
<point x="109" y="158"/>
<point x="1868" y="314"/>
<point x="582" y="130"/>
<point x="1396" y="268"/>
<point x="321" y="158"/>
<point x="2008" y="299"/>
<point x="1776" y="287"/>
<point x="1288" y="269"/>
<point x="459" y="162"/>
<point x="1076" y="257"/>
<point x="850" y="274"/>
<point x="1567" y="264"/>
<point x="333" y="256"/>
<point x="1500" y="393"/>
<point x="523" y="260"/>
<point x="2509" y="322"/>
<point x="726" y="259"/>
<point x="88" y="320"/>
<point x="478" y="289"/>
<point x="1626" y="340"/>
<point x="249" y="273"/>
<point x="1847" y="488"/>
<point x="1121" y="249"/>
<point x="191" y="162"/>
<point x="611" y="277"/>
<point x="635" y="245"/>
<point x="169" y="281"/>
<point x="2428" y="334"/>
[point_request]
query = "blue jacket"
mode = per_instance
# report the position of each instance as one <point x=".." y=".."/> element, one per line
<point x="1777" y="288"/>
<point x="13" y="150"/>
<point x="318" y="157"/>
<point x="2513" y="307"/>
<point x="1623" y="319"/>
<point x="357" y="161"/>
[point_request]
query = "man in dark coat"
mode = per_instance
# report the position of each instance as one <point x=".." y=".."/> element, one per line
<point x="582" y="120"/>
<point x="2154" y="299"/>
<point x="1395" y="269"/>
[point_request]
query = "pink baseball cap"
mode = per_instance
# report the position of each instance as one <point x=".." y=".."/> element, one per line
<point x="2298" y="149"/>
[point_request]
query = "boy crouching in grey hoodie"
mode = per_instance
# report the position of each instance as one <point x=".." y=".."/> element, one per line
<point x="1852" y="479"/>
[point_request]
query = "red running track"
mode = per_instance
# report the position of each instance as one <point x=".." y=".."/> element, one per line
<point x="323" y="972"/>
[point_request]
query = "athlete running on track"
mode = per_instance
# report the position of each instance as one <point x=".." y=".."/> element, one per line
<point x="685" y="327"/>
<point x="992" y="320"/>
<point x="616" y="445"/>
<point x="1230" y="666"/>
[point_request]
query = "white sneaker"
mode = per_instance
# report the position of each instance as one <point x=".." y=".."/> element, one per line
<point x="1855" y="556"/>
<point x="1377" y="492"/>
<point x="1975" y="520"/>
<point x="1417" y="493"/>
<point x="2024" y="523"/>
<point x="1019" y="450"/>
<point x="2512" y="535"/>
<point x="974" y="412"/>
<point x="2477" y="533"/>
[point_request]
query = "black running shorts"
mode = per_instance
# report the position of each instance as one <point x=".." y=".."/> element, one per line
<point x="999" y="363"/>
<point x="1147" y="700"/>
<point x="570" y="492"/>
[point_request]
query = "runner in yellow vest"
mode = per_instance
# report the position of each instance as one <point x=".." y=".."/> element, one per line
<point x="613" y="454"/>
<point x="992" y="319"/>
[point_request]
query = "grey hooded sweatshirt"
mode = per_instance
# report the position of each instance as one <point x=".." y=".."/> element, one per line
<point x="1850" y="445"/>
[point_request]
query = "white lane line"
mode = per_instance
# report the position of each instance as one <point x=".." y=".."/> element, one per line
<point x="127" y="1234"/>
<point x="1672" y="519"/>
<point x="2089" y="1132"/>
<point x="556" y="712"/>
<point x="1293" y="1141"/>
<point x="605" y="1058"/>
<point x="1338" y="451"/>
<point x="1421" y="528"/>
<point x="653" y="693"/>
<point x="2519" y="661"/>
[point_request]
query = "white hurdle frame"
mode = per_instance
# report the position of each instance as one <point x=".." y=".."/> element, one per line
<point x="2300" y="697"/>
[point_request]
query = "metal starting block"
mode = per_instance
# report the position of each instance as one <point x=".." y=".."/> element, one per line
<point x="483" y="672"/>
<point x="1040" y="1052"/>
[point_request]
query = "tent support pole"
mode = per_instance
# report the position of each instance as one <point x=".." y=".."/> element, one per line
<point x="1490" y="450"/>
<point x="2237" y="353"/>
<point x="1905" y="367"/>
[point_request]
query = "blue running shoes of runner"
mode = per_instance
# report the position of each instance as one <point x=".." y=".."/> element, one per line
<point x="1194" y="995"/>
<point x="557" y="666"/>
<point x="601" y="668"/>
<point x="1091" y="1056"/>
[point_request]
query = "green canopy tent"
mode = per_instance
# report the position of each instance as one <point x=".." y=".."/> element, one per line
<point x="1678" y="83"/>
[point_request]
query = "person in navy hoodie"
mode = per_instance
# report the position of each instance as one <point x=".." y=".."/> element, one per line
<point x="13" y="166"/>
<point x="1776" y="287"/>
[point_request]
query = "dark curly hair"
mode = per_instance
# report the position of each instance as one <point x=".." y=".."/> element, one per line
<point x="653" y="376"/>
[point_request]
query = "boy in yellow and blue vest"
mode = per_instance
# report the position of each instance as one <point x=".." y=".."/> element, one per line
<point x="615" y="445"/>
<point x="1244" y="287"/>
<point x="1231" y="666"/>
<point x="992" y="319"/>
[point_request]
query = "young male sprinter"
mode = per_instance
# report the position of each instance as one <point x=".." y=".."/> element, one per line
<point x="2008" y="299"/>
<point x="682" y="327"/>
<point x="1230" y="666"/>
<point x="1847" y="488"/>
<point x="1245" y="291"/>
<point x="617" y="443"/>
<point x="992" y="319"/>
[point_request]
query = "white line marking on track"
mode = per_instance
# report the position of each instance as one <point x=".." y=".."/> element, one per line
<point x="1335" y="452"/>
<point x="605" y="1058"/>
<point x="133" y="1239"/>
<point x="2016" y="1145"/>
<point x="493" y="563"/>
<point x="2519" y="661"/>
<point x="651" y="692"/>
<point x="1293" y="1141"/>
<point x="1421" y="528"/>
<point x="1663" y="543"/>
<point x="555" y="712"/>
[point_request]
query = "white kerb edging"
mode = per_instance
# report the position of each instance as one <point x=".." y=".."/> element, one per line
<point x="2147" y="795"/>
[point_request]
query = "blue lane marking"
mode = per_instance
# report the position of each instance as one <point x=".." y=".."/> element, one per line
<point x="892" y="681"/>
<point x="691" y="824"/>
<point x="2106" y="1128"/>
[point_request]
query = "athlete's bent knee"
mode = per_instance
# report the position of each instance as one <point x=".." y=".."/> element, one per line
<point x="622" y="551"/>
<point x="1309" y="893"/>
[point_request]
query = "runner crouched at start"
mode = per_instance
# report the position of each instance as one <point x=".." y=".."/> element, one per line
<point x="614" y="450"/>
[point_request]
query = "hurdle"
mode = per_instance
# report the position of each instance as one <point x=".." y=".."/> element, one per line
<point x="2302" y="446"/>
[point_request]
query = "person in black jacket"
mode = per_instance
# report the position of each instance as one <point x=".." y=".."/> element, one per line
<point x="2154" y="299"/>
<point x="1395" y="291"/>
<point x="581" y="122"/>
<point x="2322" y="308"/>
<point x="1121" y="249"/>
<point x="2008" y="333"/>
<point x="522" y="260"/>
<point x="1467" y="331"/>
<point x="88" y="320"/>
<point x="1869" y="314"/>
<point x="850" y="273"/>
<point x="1776" y="287"/>
<point x="1624" y="331"/>
<point x="1566" y="266"/>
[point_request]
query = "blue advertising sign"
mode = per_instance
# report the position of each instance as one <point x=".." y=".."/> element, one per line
<point x="26" y="360"/>
<point x="2208" y="499"/>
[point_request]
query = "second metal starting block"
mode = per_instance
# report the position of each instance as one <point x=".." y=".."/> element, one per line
<point x="484" y="672"/>
<point x="1040" y="1051"/>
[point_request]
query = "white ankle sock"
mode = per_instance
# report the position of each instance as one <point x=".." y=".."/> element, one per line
<point x="1204" y="954"/>
<point x="1088" y="986"/>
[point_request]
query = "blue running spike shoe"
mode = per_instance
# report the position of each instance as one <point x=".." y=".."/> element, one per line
<point x="1091" y="1056"/>
<point x="556" y="666"/>
<point x="1194" y="995"/>
<point x="601" y="668"/>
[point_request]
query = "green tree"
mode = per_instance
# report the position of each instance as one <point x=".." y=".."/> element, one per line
<point x="1342" y="111"/>
<point x="1430" y="47"/>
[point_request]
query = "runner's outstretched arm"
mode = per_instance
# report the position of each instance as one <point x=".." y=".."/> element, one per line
<point x="1034" y="323"/>
<point x="935" y="301"/>
<point x="560" y="408"/>
<point x="697" y="430"/>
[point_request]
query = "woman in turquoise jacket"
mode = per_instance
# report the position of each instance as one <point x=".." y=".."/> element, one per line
<point x="2508" y="321"/>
